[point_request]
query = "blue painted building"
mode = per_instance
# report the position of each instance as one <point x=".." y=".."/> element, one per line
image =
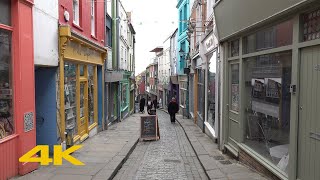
<point x="183" y="7"/>
<point x="183" y="44"/>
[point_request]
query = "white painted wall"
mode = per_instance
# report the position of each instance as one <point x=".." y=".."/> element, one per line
<point x="173" y="54"/>
<point x="45" y="28"/>
<point x="124" y="28"/>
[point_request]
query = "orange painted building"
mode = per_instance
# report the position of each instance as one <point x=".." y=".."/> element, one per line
<point x="17" y="99"/>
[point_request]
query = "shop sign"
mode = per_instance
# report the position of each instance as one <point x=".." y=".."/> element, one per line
<point x="210" y="43"/>
<point x="77" y="51"/>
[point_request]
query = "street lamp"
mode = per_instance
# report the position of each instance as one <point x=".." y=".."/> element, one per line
<point x="187" y="72"/>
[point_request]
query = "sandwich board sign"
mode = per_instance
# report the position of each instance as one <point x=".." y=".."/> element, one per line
<point x="149" y="128"/>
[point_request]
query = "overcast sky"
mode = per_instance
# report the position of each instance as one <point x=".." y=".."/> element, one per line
<point x="154" y="21"/>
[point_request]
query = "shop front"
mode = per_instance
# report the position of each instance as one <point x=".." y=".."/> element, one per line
<point x="124" y="99"/>
<point x="211" y="98"/>
<point x="271" y="100"/>
<point x="183" y="94"/>
<point x="17" y="99"/>
<point x="78" y="73"/>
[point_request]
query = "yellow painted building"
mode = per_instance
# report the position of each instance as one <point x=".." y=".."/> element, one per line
<point x="78" y="85"/>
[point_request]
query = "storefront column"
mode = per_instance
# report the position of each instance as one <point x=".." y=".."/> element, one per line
<point x="24" y="78"/>
<point x="294" y="114"/>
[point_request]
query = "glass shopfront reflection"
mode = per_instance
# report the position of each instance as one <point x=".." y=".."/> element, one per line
<point x="6" y="89"/>
<point x="212" y="89"/>
<point x="70" y="99"/>
<point x="268" y="98"/>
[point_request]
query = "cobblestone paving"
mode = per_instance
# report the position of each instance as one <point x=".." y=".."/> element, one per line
<point x="172" y="157"/>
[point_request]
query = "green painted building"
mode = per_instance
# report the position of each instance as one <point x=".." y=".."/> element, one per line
<point x="270" y="71"/>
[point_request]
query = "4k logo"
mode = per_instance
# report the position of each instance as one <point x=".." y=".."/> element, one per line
<point x="57" y="156"/>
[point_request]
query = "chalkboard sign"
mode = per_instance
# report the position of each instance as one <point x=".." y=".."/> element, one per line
<point x="149" y="128"/>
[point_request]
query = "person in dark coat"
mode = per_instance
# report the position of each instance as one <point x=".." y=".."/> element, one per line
<point x="142" y="104"/>
<point x="155" y="103"/>
<point x="173" y="108"/>
<point x="149" y="105"/>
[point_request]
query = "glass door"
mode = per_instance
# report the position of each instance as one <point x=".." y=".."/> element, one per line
<point x="83" y="101"/>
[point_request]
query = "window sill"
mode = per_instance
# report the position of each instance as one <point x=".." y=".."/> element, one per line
<point x="77" y="26"/>
<point x="8" y="138"/>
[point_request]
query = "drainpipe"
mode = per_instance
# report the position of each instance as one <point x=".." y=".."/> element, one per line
<point x="206" y="92"/>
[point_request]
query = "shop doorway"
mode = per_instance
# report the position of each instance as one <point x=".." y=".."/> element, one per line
<point x="233" y="106"/>
<point x="83" y="104"/>
<point x="309" y="123"/>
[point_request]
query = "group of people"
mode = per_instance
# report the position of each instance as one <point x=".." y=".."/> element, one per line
<point x="152" y="105"/>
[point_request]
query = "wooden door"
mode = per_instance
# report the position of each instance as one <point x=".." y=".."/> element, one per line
<point x="309" y="115"/>
<point x="82" y="97"/>
<point x="234" y="105"/>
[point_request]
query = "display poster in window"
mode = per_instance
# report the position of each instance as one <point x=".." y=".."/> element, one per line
<point x="235" y="97"/>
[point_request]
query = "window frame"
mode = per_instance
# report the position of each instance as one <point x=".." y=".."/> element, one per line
<point x="9" y="28"/>
<point x="93" y="18"/>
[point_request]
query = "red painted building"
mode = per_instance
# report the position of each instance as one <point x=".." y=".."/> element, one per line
<point x="80" y="21"/>
<point x="17" y="102"/>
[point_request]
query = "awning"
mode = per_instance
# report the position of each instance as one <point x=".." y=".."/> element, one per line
<point x="174" y="79"/>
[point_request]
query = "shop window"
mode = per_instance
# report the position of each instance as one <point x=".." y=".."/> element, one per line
<point x="200" y="93"/>
<point x="311" y="25"/>
<point x="268" y="38"/>
<point x="234" y="48"/>
<point x="6" y="101"/>
<point x="267" y="89"/>
<point x="70" y="96"/>
<point x="124" y="95"/>
<point x="235" y="89"/>
<point x="76" y="12"/>
<point x="5" y="12"/>
<point x="91" y="93"/>
<point x="81" y="70"/>
<point x="212" y="88"/>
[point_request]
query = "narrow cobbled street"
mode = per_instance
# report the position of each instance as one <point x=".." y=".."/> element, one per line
<point x="172" y="157"/>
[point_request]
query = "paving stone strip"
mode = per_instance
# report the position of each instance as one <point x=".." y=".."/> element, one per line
<point x="103" y="155"/>
<point x="171" y="157"/>
<point x="216" y="165"/>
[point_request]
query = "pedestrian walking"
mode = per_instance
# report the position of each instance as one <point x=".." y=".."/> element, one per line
<point x="173" y="108"/>
<point x="149" y="105"/>
<point x="142" y="104"/>
<point x="155" y="104"/>
<point x="160" y="103"/>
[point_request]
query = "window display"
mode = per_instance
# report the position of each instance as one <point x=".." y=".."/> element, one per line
<point x="268" y="80"/>
<point x="212" y="89"/>
<point x="6" y="103"/>
<point x="235" y="91"/>
<point x="201" y="93"/>
<point x="70" y="96"/>
<point x="91" y="92"/>
<point x="124" y="95"/>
